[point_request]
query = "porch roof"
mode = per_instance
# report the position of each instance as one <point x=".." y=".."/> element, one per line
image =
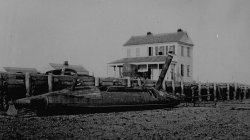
<point x="148" y="59"/>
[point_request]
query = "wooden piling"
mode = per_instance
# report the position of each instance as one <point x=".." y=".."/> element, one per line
<point x="199" y="91"/>
<point x="139" y="82"/>
<point x="215" y="97"/>
<point x="245" y="92"/>
<point x="50" y="82"/>
<point x="228" y="92"/>
<point x="129" y="82"/>
<point x="173" y="86"/>
<point x="208" y="93"/>
<point x="97" y="81"/>
<point x="164" y="85"/>
<point x="182" y="88"/>
<point x="27" y="84"/>
<point x="235" y="90"/>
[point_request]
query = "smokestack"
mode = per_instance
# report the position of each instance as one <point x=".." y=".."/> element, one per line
<point x="180" y="30"/>
<point x="149" y="33"/>
<point x="66" y="63"/>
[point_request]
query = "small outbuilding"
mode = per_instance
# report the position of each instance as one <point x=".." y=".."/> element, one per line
<point x="78" y="68"/>
<point x="20" y="70"/>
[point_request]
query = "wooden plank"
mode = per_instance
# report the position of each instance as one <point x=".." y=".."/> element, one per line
<point x="107" y="79"/>
<point x="40" y="83"/>
<point x="63" y="77"/>
<point x="177" y="84"/>
<point x="15" y="82"/>
<point x="88" y="83"/>
<point x="168" y="83"/>
<point x="107" y="83"/>
<point x="86" y="78"/>
<point x="66" y="83"/>
<point x="38" y="77"/>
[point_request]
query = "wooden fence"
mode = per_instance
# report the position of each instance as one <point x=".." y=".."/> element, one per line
<point x="16" y="86"/>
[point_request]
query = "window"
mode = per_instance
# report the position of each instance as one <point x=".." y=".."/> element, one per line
<point x="150" y="51"/>
<point x="161" y="66"/>
<point x="182" y="70"/>
<point x="172" y="49"/>
<point x="166" y="50"/>
<point x="161" y="50"/>
<point x="188" y="51"/>
<point x="137" y="52"/>
<point x="128" y="52"/>
<point x="188" y="71"/>
<point x="156" y="50"/>
<point x="182" y="50"/>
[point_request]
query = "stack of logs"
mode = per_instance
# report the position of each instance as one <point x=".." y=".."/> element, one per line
<point x="15" y="86"/>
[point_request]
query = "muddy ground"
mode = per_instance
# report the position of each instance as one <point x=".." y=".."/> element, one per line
<point x="227" y="120"/>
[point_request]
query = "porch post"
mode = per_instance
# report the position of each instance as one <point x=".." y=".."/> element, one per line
<point x="158" y="69"/>
<point x="115" y="70"/>
<point x="120" y="75"/>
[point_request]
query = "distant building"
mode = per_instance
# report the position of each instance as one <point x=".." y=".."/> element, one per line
<point x="149" y="52"/>
<point x="78" y="68"/>
<point x="20" y="70"/>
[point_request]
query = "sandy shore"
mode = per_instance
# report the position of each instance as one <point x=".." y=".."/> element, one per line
<point x="229" y="120"/>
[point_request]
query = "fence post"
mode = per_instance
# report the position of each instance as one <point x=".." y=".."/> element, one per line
<point x="235" y="90"/>
<point x="27" y="84"/>
<point x="97" y="81"/>
<point x="228" y="92"/>
<point x="50" y="82"/>
<point x="215" y="97"/>
<point x="173" y="86"/>
<point x="164" y="85"/>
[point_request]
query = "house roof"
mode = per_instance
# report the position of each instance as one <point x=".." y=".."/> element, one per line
<point x="77" y="68"/>
<point x="20" y="70"/>
<point x="140" y="59"/>
<point x="181" y="37"/>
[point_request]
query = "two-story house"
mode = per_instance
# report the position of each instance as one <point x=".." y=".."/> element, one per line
<point x="149" y="53"/>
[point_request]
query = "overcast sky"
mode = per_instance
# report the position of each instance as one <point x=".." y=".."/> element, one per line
<point x="91" y="33"/>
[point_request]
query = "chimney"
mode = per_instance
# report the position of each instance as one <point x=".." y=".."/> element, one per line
<point x="179" y="30"/>
<point x="149" y="33"/>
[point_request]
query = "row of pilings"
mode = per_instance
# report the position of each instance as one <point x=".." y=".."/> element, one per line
<point x="14" y="86"/>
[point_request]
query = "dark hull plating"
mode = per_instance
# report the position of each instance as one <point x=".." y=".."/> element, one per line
<point x="91" y="99"/>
